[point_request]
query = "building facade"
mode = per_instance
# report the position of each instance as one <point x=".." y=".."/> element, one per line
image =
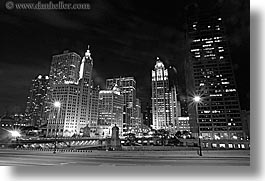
<point x="127" y="87"/>
<point x="138" y="114"/>
<point x="210" y="75"/>
<point x="111" y="104"/>
<point x="93" y="106"/>
<point x="160" y="97"/>
<point x="73" y="92"/>
<point x="174" y="109"/>
<point x="36" y="109"/>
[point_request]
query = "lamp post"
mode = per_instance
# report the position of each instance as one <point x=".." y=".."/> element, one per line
<point x="57" y="105"/>
<point x="197" y="100"/>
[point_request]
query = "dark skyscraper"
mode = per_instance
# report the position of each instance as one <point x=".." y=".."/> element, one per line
<point x="36" y="110"/>
<point x="93" y="105"/>
<point x="147" y="116"/>
<point x="210" y="75"/>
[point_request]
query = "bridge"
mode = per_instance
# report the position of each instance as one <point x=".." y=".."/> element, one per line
<point x="61" y="142"/>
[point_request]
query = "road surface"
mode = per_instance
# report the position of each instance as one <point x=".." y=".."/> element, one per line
<point x="124" y="158"/>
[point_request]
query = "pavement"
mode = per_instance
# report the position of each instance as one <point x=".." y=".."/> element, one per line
<point x="11" y="157"/>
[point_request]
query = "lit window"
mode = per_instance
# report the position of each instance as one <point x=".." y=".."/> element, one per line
<point x="225" y="82"/>
<point x="194" y="50"/>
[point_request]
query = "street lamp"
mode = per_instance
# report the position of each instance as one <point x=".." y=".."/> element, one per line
<point x="197" y="100"/>
<point x="57" y="105"/>
<point x="15" y="134"/>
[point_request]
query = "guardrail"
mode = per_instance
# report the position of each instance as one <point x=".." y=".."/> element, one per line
<point x="52" y="150"/>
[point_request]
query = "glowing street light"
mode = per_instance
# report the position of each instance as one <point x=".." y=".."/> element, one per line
<point x="15" y="134"/>
<point x="57" y="104"/>
<point x="197" y="99"/>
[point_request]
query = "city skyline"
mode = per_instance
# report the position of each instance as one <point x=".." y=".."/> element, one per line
<point x="117" y="50"/>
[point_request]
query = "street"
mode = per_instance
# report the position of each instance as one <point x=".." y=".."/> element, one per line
<point x="125" y="158"/>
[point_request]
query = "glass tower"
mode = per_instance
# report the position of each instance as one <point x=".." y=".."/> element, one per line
<point x="127" y="86"/>
<point x="36" y="110"/>
<point x="210" y="75"/>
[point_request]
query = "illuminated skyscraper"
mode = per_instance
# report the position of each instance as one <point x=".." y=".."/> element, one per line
<point x="73" y="94"/>
<point x="65" y="68"/>
<point x="211" y="76"/>
<point x="174" y="109"/>
<point x="111" y="103"/>
<point x="127" y="86"/>
<point x="36" y="109"/>
<point x="160" y="97"/>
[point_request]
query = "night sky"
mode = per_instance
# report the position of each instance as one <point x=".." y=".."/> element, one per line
<point x="125" y="37"/>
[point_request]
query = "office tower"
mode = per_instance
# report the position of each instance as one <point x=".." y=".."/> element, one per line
<point x="160" y="97"/>
<point x="211" y="76"/>
<point x="74" y="96"/>
<point x="111" y="103"/>
<point x="65" y="68"/>
<point x="127" y="87"/>
<point x="64" y="122"/>
<point x="93" y="106"/>
<point x="36" y="110"/>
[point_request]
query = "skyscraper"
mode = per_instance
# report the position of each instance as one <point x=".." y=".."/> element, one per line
<point x="211" y="76"/>
<point x="111" y="103"/>
<point x="127" y="86"/>
<point x="93" y="105"/>
<point x="65" y="68"/>
<point x="147" y="116"/>
<point x="160" y="96"/>
<point x="73" y="93"/>
<point x="36" y="109"/>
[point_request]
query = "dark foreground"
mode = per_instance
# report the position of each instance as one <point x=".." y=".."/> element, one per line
<point x="125" y="158"/>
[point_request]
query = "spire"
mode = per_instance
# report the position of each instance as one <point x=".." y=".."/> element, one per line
<point x="88" y="54"/>
<point x="159" y="63"/>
